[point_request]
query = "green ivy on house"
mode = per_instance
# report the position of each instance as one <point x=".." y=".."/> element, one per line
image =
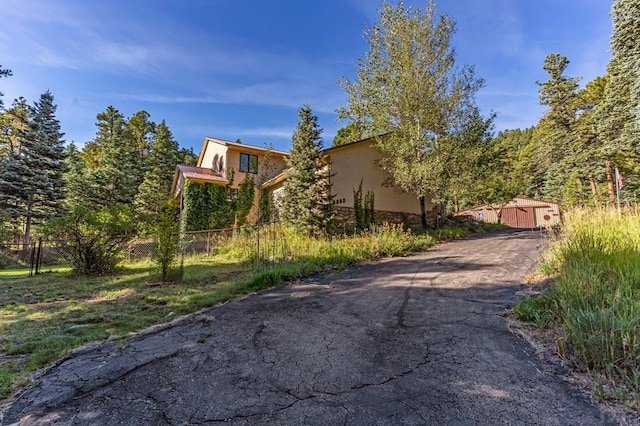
<point x="208" y="206"/>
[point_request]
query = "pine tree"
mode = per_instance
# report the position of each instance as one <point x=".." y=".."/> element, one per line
<point x="619" y="115"/>
<point x="161" y="162"/>
<point x="307" y="193"/>
<point x="112" y="162"/>
<point x="3" y="73"/>
<point x="32" y="185"/>
<point x="75" y="177"/>
<point x="139" y="134"/>
<point x="555" y="164"/>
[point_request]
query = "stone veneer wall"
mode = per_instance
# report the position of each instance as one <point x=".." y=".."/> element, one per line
<point x="345" y="218"/>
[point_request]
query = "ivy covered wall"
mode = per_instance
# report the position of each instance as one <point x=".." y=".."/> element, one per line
<point x="208" y="206"/>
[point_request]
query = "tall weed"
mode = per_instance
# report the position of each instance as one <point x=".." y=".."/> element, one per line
<point x="595" y="297"/>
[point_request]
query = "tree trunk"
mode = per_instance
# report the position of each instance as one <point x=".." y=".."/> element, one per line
<point x="27" y="234"/>
<point x="594" y="189"/>
<point x="610" y="184"/>
<point x="423" y="212"/>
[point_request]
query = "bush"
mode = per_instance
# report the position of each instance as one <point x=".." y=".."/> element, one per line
<point x="166" y="241"/>
<point x="93" y="240"/>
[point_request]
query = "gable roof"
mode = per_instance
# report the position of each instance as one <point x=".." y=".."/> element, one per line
<point x="240" y="146"/>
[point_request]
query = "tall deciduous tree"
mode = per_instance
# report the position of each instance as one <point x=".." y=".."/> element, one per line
<point x="31" y="184"/>
<point x="307" y="194"/>
<point x="407" y="84"/>
<point x="619" y="114"/>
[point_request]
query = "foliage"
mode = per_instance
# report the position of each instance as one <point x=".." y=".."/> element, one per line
<point x="95" y="238"/>
<point x="31" y="183"/>
<point x="246" y="195"/>
<point x="594" y="300"/>
<point x="110" y="162"/>
<point x="156" y="185"/>
<point x="187" y="157"/>
<point x="3" y="73"/>
<point x="352" y="132"/>
<point x="407" y="84"/>
<point x="166" y="240"/>
<point x="208" y="206"/>
<point x="618" y="116"/>
<point x="364" y="209"/>
<point x="307" y="202"/>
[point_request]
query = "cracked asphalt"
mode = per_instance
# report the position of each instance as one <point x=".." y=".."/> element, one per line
<point x="415" y="340"/>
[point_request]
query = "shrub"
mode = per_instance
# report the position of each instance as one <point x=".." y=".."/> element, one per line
<point x="166" y="240"/>
<point x="92" y="241"/>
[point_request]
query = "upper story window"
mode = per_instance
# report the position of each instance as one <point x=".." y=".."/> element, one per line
<point x="248" y="163"/>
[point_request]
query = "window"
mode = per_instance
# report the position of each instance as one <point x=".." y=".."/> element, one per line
<point x="233" y="194"/>
<point x="248" y="163"/>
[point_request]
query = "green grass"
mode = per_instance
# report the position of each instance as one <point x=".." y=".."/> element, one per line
<point x="594" y="301"/>
<point x="45" y="316"/>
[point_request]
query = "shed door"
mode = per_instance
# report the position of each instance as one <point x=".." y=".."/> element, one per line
<point x="519" y="217"/>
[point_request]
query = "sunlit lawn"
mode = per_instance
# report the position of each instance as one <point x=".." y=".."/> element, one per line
<point x="44" y="316"/>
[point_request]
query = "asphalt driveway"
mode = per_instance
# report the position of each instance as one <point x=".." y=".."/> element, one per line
<point x="415" y="340"/>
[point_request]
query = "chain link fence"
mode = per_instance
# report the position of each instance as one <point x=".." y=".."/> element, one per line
<point x="262" y="244"/>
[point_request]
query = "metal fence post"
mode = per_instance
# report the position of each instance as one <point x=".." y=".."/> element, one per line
<point x="39" y="257"/>
<point x="32" y="260"/>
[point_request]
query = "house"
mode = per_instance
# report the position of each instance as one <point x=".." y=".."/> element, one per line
<point x="350" y="165"/>
<point x="218" y="157"/>
<point x="521" y="212"/>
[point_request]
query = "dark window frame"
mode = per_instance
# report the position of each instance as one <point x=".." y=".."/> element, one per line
<point x="250" y="163"/>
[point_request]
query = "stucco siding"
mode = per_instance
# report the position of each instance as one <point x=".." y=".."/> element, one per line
<point x="355" y="163"/>
<point x="211" y="150"/>
<point x="265" y="171"/>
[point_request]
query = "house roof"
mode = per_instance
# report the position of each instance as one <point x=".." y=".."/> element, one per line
<point x="193" y="172"/>
<point x="479" y="206"/>
<point x="240" y="146"/>
<point x="277" y="178"/>
<point x="285" y="173"/>
<point x="196" y="174"/>
<point x="350" y="144"/>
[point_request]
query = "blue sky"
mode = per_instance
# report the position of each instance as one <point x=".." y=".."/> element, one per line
<point x="241" y="68"/>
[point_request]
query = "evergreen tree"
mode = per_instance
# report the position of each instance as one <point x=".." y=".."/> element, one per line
<point x="31" y="184"/>
<point x="75" y="177"/>
<point x="307" y="194"/>
<point x="139" y="134"/>
<point x="112" y="162"/>
<point x="408" y="85"/>
<point x="555" y="164"/>
<point x="619" y="115"/>
<point x="12" y="122"/>
<point x="161" y="163"/>
<point x="187" y="157"/>
<point x="3" y="73"/>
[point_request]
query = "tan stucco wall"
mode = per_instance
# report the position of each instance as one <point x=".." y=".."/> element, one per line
<point x="265" y="171"/>
<point x="231" y="157"/>
<point x="210" y="152"/>
<point x="351" y="164"/>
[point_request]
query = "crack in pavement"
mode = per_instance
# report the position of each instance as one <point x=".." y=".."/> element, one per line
<point x="419" y="339"/>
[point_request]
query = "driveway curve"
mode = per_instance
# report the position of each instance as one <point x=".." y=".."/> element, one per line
<point x="414" y="340"/>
